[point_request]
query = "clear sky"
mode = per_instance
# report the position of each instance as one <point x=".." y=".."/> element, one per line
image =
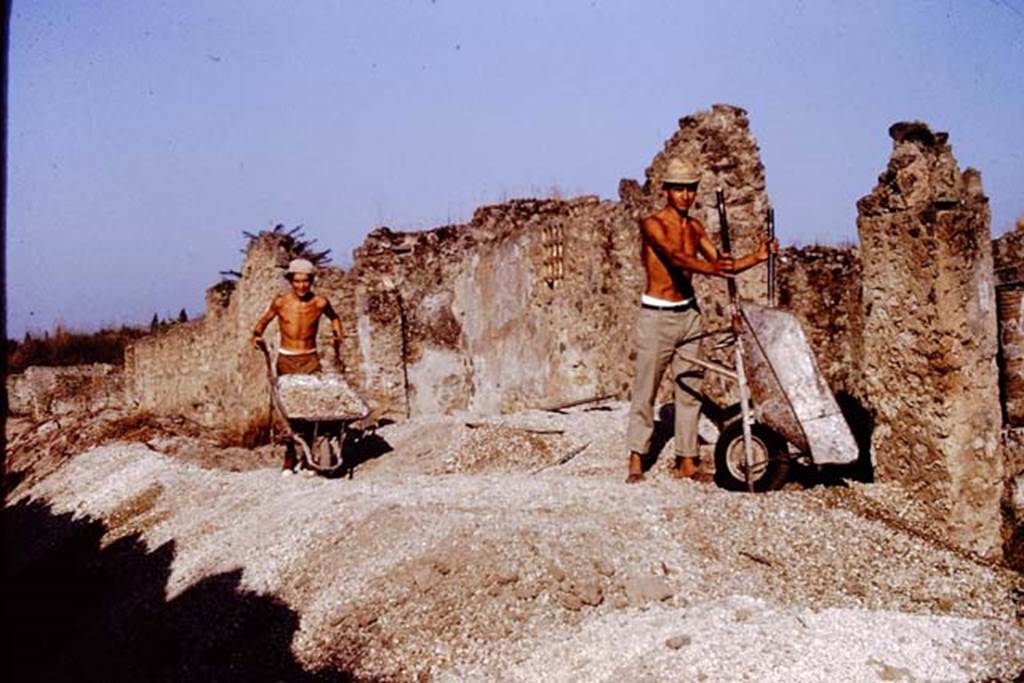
<point x="145" y="135"/>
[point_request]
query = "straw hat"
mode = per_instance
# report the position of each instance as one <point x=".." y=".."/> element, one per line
<point x="301" y="266"/>
<point x="681" y="173"/>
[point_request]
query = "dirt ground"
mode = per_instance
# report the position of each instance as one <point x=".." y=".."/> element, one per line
<point x="468" y="548"/>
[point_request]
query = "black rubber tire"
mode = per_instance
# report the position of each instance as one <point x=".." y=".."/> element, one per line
<point x="771" y="458"/>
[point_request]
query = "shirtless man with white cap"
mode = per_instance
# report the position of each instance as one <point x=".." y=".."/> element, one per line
<point x="298" y="318"/>
<point x="669" y="321"/>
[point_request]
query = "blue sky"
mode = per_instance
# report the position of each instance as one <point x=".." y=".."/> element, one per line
<point x="144" y="136"/>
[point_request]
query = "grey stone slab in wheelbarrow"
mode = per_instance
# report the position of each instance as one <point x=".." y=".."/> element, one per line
<point x="789" y="391"/>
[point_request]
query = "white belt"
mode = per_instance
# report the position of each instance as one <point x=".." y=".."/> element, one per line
<point x="291" y="352"/>
<point x="655" y="301"/>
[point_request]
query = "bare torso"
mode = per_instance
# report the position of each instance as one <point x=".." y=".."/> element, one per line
<point x="678" y="235"/>
<point x="299" y="320"/>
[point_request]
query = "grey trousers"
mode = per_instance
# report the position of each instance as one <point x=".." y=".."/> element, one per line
<point x="660" y="337"/>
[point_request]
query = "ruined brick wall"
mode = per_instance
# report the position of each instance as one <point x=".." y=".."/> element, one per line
<point x="465" y="317"/>
<point x="929" y="335"/>
<point x="1013" y="498"/>
<point x="1008" y="261"/>
<point x="520" y="307"/>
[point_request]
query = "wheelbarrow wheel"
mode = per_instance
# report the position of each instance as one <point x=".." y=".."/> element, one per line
<point x="770" y="458"/>
<point x="327" y="452"/>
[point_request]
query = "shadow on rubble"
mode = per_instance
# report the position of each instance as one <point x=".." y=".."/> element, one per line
<point x="664" y="430"/>
<point x="78" y="606"/>
<point x="664" y="425"/>
<point x="862" y="424"/>
<point x="360" y="447"/>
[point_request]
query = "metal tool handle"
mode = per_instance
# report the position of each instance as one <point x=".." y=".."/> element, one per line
<point x="771" y="259"/>
<point x="275" y="400"/>
<point x="723" y="231"/>
<point x="741" y="375"/>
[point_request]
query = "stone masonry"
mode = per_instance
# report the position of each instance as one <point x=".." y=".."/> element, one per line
<point x="929" y="335"/>
<point x="529" y="304"/>
<point x="44" y="392"/>
<point x="1008" y="257"/>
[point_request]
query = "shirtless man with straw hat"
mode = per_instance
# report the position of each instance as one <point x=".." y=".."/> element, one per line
<point x="298" y="317"/>
<point x="669" y="324"/>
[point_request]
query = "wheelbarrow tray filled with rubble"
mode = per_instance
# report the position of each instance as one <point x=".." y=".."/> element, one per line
<point x="319" y="398"/>
<point x="790" y="400"/>
<point x="317" y="410"/>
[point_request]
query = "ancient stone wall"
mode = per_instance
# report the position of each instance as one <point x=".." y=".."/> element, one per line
<point x="44" y="392"/>
<point x="520" y="307"/>
<point x="530" y="303"/>
<point x="821" y="286"/>
<point x="929" y="335"/>
<point x="1008" y="260"/>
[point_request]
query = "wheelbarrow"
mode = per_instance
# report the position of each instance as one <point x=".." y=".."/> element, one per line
<point x="317" y="411"/>
<point x="784" y="399"/>
<point x="789" y="404"/>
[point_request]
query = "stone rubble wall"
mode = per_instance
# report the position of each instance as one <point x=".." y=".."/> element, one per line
<point x="43" y="392"/>
<point x="930" y="335"/>
<point x="531" y="303"/>
<point x="1008" y="260"/>
<point x="821" y="287"/>
<point x="205" y="368"/>
<point x="1013" y="498"/>
<point x="479" y="323"/>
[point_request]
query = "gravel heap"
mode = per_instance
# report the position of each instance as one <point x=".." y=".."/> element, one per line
<point x="510" y="549"/>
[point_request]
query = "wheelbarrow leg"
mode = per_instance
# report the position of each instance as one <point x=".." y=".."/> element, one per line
<point x="748" y="450"/>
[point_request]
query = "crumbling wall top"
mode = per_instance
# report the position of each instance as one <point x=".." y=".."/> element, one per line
<point x="922" y="173"/>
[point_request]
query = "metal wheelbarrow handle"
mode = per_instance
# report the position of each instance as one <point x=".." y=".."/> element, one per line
<point x="275" y="399"/>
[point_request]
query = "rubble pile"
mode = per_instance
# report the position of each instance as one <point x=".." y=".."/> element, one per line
<point x="411" y="571"/>
<point x="496" y="448"/>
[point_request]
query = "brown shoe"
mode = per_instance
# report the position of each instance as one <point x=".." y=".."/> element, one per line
<point x="636" y="469"/>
